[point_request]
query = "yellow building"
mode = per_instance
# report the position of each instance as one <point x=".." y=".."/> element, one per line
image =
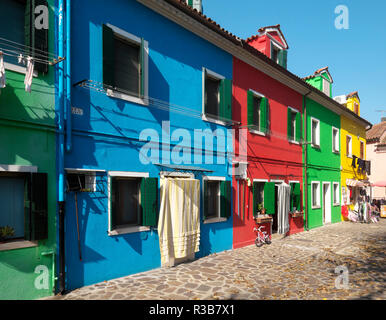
<point x="353" y="152"/>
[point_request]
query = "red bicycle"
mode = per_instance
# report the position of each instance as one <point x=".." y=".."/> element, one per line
<point x="262" y="237"/>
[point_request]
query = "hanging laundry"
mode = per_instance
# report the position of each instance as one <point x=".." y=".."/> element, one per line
<point x="354" y="159"/>
<point x="368" y="167"/>
<point x="20" y="59"/>
<point x="2" y="71"/>
<point x="29" y="74"/>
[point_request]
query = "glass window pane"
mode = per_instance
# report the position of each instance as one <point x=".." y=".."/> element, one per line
<point x="127" y="66"/>
<point x="256" y="114"/>
<point x="12" y="204"/>
<point x="213" y="199"/>
<point x="212" y="96"/>
<point x="126" y="202"/>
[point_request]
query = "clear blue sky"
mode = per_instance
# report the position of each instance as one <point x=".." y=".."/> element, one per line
<point x="356" y="57"/>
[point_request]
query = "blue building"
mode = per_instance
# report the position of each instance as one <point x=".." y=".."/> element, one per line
<point x="146" y="96"/>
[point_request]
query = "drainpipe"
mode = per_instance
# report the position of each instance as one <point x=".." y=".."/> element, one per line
<point x="61" y="203"/>
<point x="68" y="77"/>
<point x="305" y="157"/>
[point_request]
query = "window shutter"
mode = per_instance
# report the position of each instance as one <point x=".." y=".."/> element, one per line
<point x="251" y="109"/>
<point x="108" y="56"/>
<point x="149" y="202"/>
<point x="255" y="204"/>
<point x="206" y="199"/>
<point x="27" y="207"/>
<point x="37" y="221"/>
<point x="264" y="115"/>
<point x="226" y="195"/>
<point x="35" y="38"/>
<point x="298" y="127"/>
<point x="269" y="197"/>
<point x="289" y="133"/>
<point x="296" y="196"/>
<point x="284" y="58"/>
<point x="280" y="57"/>
<point x="142" y="66"/>
<point x="226" y="99"/>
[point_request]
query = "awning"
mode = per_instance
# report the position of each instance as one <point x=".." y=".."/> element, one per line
<point x="380" y="184"/>
<point x="176" y="168"/>
<point x="354" y="183"/>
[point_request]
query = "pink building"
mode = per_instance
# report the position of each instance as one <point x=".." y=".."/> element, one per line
<point x="376" y="153"/>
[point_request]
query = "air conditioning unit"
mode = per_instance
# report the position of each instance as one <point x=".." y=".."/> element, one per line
<point x="241" y="170"/>
<point x="341" y="99"/>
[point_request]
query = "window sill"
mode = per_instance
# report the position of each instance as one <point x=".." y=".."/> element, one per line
<point x="18" y="69"/>
<point x="294" y="142"/>
<point x="127" y="230"/>
<point x="126" y="97"/>
<point x="18" y="244"/>
<point x="315" y="146"/>
<point x="208" y="118"/>
<point x="336" y="204"/>
<point x="257" y="132"/>
<point x="316" y="207"/>
<point x="215" y="220"/>
<point x="336" y="152"/>
<point x="349" y="157"/>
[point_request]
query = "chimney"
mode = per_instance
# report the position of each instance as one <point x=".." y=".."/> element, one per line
<point x="195" y="4"/>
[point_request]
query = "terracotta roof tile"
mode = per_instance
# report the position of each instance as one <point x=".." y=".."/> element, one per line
<point x="375" y="133"/>
<point x="353" y="94"/>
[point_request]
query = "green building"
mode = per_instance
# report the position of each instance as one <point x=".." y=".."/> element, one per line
<point x="27" y="152"/>
<point x="321" y="156"/>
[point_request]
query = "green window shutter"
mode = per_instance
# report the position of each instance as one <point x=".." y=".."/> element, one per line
<point x="28" y="23"/>
<point x="284" y="58"/>
<point x="149" y="202"/>
<point x="36" y="207"/>
<point x="251" y="109"/>
<point x="27" y="207"/>
<point x="296" y="196"/>
<point x="108" y="56"/>
<point x="205" y="200"/>
<point x="190" y="3"/>
<point x="226" y="195"/>
<point x="264" y="115"/>
<point x="35" y="38"/>
<point x="289" y="133"/>
<point x="269" y="197"/>
<point x="298" y="127"/>
<point x="255" y="195"/>
<point x="226" y="99"/>
<point x="142" y="68"/>
<point x="280" y="57"/>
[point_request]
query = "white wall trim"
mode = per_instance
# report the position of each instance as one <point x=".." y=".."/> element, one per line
<point x="16" y="168"/>
<point x="260" y="180"/>
<point x="317" y="145"/>
<point x="214" y="178"/>
<point x="257" y="94"/>
<point x="127" y="174"/>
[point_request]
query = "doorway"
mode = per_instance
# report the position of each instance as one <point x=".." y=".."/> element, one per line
<point x="326" y="202"/>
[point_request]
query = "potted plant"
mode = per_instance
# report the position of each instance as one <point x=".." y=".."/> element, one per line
<point x="6" y="232"/>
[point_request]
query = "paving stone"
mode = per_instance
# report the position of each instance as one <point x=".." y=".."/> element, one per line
<point x="301" y="266"/>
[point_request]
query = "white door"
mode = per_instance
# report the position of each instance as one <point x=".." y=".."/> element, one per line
<point x="326" y="202"/>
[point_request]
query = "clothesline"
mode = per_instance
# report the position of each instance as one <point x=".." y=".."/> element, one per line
<point x="19" y="46"/>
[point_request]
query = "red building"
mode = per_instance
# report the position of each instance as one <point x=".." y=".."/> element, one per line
<point x="270" y="114"/>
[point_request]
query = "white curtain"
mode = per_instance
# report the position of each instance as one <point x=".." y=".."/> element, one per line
<point x="284" y="194"/>
<point x="179" y="219"/>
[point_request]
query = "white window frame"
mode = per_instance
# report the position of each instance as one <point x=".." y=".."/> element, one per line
<point x="90" y="178"/>
<point x="18" y="244"/>
<point x="317" y="145"/>
<point x="293" y="110"/>
<point x="317" y="206"/>
<point x="279" y="48"/>
<point x="204" y="116"/>
<point x="257" y="95"/>
<point x="337" y="143"/>
<point x="350" y="146"/>
<point x="336" y="195"/>
<point x="324" y="89"/>
<point x="124" y="230"/>
<point x="218" y="218"/>
<point x="132" y="38"/>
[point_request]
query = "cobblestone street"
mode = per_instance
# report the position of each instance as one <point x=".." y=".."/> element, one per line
<point x="301" y="266"/>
